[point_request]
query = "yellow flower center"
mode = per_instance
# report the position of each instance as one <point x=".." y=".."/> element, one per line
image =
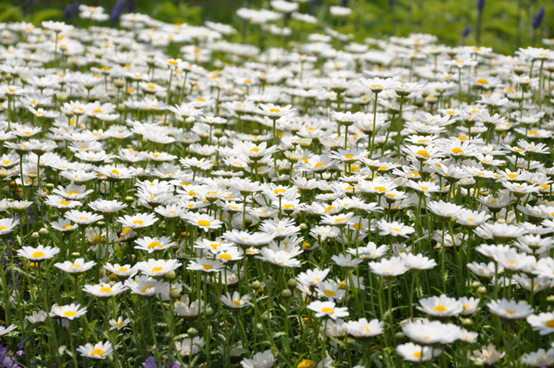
<point x="155" y="244"/>
<point x="329" y="293"/>
<point x="457" y="151"/>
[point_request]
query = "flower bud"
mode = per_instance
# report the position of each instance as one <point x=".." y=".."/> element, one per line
<point x="292" y="283"/>
<point x="43" y="231"/>
<point x="119" y="83"/>
<point x="174" y="293"/>
<point x="476" y="284"/>
<point x="482" y="291"/>
<point x="256" y="284"/>
<point x="286" y="293"/>
<point x="467" y="322"/>
<point x="170" y="275"/>
<point x="35" y="235"/>
<point x="192" y="331"/>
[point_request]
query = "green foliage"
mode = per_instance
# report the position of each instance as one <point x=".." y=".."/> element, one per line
<point x="10" y="13"/>
<point x="170" y="12"/>
<point x="46" y="14"/>
<point x="506" y="26"/>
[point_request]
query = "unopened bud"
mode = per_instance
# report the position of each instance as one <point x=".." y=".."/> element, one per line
<point x="174" y="293"/>
<point x="119" y="83"/>
<point x="61" y="96"/>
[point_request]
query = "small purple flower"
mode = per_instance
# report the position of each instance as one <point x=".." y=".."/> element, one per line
<point x="5" y="360"/>
<point x="537" y="19"/>
<point x="150" y="363"/>
<point x="22" y="344"/>
<point x="467" y="31"/>
<point x="117" y="11"/>
<point x="480" y="5"/>
<point x="71" y="10"/>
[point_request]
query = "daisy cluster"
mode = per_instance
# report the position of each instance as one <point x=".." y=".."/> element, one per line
<point x="172" y="197"/>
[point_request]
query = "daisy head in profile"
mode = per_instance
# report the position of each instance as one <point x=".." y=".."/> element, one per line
<point x="101" y="350"/>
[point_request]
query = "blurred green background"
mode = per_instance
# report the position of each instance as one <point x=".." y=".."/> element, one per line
<point x="506" y="24"/>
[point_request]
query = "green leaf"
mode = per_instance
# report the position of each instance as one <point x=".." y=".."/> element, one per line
<point x="13" y="14"/>
<point x="46" y="14"/>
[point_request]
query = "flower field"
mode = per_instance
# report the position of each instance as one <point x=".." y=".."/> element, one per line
<point x="261" y="196"/>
